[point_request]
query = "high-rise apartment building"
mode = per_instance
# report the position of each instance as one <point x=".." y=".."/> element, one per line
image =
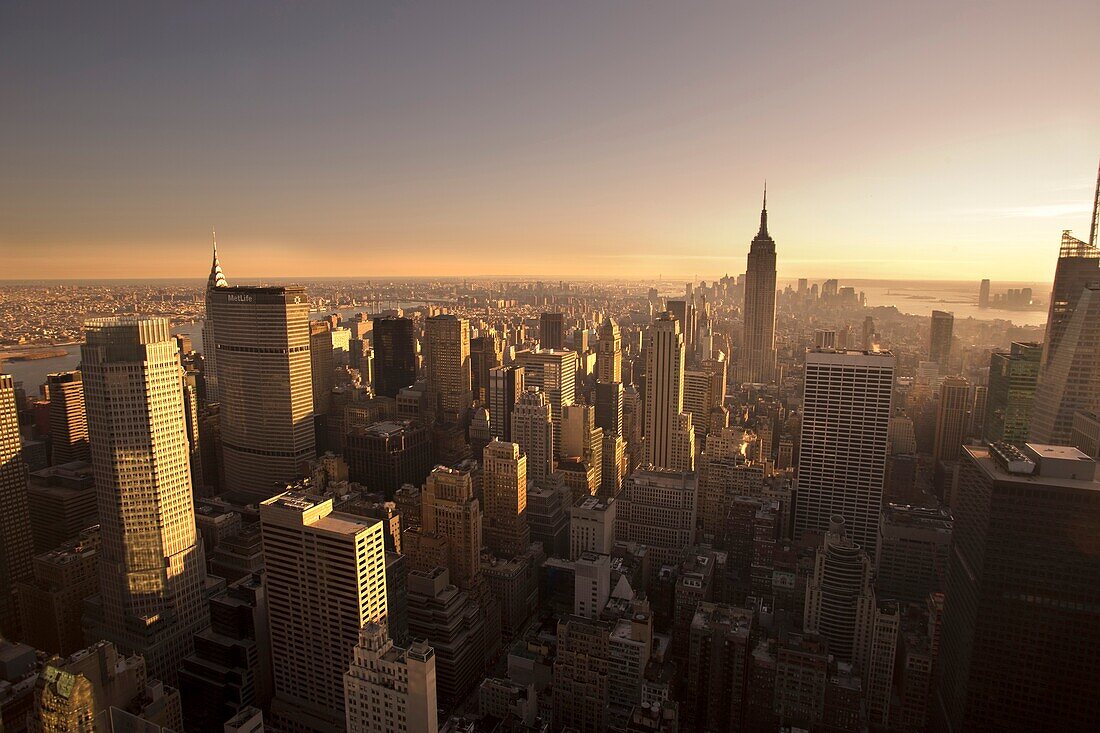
<point x="261" y="338"/>
<point x="533" y="431"/>
<point x="16" y="542"/>
<point x="551" y="329"/>
<point x="840" y="600"/>
<point x="447" y="365"/>
<point x="555" y="373"/>
<point x="394" y="343"/>
<point x="941" y="333"/>
<point x="592" y="526"/>
<point x="52" y="602"/>
<point x="952" y="416"/>
<point x="609" y="358"/>
<point x="581" y="684"/>
<point x="151" y="564"/>
<point x="325" y="580"/>
<point x="842" y="450"/>
<point x="504" y="491"/>
<point x="68" y="421"/>
<point x="389" y="688"/>
<point x="1020" y="646"/>
<point x="505" y="387"/>
<point x="664" y="393"/>
<point x="758" y="344"/>
<point x="1013" y="376"/>
<point x="1070" y="380"/>
<point x="718" y="654"/>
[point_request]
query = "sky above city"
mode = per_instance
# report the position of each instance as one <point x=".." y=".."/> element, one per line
<point x="936" y="140"/>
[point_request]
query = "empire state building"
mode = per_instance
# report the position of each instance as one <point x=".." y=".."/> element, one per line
<point x="758" y="353"/>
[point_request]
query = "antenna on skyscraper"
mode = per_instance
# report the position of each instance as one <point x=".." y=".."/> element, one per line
<point x="1095" y="209"/>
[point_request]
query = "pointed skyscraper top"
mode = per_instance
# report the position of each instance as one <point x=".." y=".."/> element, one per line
<point x="217" y="278"/>
<point x="1095" y="211"/>
<point x="763" y="233"/>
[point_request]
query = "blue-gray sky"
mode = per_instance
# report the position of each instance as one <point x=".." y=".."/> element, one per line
<point x="924" y="140"/>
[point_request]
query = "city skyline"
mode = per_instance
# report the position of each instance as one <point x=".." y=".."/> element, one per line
<point x="396" y="146"/>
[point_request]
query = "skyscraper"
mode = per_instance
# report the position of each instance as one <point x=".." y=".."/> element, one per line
<point x="940" y="334"/>
<point x="1070" y="380"/>
<point x="486" y="353"/>
<point x="394" y="344"/>
<point x="684" y="310"/>
<point x="321" y="365"/>
<point x="447" y="365"/>
<point x="533" y="431"/>
<point x="839" y="596"/>
<point x="390" y="689"/>
<point x="609" y="358"/>
<point x="758" y="345"/>
<point x="16" y="543"/>
<point x="450" y="510"/>
<point x="951" y="419"/>
<point x="214" y="282"/>
<point x="555" y="373"/>
<point x="326" y="580"/>
<point x="151" y="564"/>
<point x="1013" y="377"/>
<point x="842" y="451"/>
<point x="261" y="338"/>
<point x="551" y="326"/>
<point x="983" y="294"/>
<point x="505" y="387"/>
<point x="664" y="393"/>
<point x="1078" y="266"/>
<point x="68" y="419"/>
<point x="1020" y="646"/>
<point x="504" y="490"/>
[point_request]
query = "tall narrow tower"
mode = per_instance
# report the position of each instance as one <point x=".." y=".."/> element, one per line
<point x="215" y="281"/>
<point x="609" y="358"/>
<point x="664" y="395"/>
<point x="16" y="547"/>
<point x="150" y="559"/>
<point x="758" y="360"/>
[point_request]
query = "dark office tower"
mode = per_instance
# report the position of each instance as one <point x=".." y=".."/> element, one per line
<point x="1070" y="381"/>
<point x="951" y="419"/>
<point x="868" y="333"/>
<point x="68" y="421"/>
<point x="151" y="565"/>
<point x="550" y="331"/>
<point x="265" y="385"/>
<point x="1078" y="266"/>
<point x="758" y="345"/>
<point x="447" y="366"/>
<point x="16" y="543"/>
<point x="609" y="407"/>
<point x="486" y="352"/>
<point x="394" y="344"/>
<point x="505" y="387"/>
<point x="716" y="684"/>
<point x="684" y="310"/>
<point x="941" y="332"/>
<point x="194" y="439"/>
<point x="1013" y="376"/>
<point x="1020" y="648"/>
<point x="322" y="364"/>
<point x="609" y="357"/>
<point x="842" y="453"/>
<point x="983" y="294"/>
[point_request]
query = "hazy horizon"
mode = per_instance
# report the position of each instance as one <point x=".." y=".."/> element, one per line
<point x="573" y="140"/>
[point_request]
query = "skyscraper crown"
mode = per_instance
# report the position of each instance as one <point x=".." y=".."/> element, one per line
<point x="217" y="278"/>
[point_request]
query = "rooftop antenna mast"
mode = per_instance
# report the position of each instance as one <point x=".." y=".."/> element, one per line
<point x="1095" y="210"/>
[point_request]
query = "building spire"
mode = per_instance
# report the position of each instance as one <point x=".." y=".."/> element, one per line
<point x="764" y="213"/>
<point x="1095" y="210"/>
<point x="217" y="278"/>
